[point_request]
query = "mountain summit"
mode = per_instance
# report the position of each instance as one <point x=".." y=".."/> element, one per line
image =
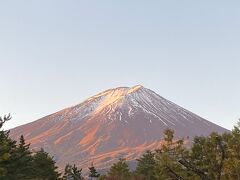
<point x="120" y="122"/>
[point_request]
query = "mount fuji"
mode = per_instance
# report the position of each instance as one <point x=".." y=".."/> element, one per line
<point x="120" y="122"/>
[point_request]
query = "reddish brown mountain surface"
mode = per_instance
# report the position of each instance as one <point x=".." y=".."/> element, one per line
<point x="121" y="122"/>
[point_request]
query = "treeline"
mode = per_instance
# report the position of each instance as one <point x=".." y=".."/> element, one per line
<point x="215" y="157"/>
<point x="18" y="162"/>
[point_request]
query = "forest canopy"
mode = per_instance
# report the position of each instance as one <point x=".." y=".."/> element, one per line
<point x="216" y="156"/>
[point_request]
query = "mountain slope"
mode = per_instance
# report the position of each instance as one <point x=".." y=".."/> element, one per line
<point x="121" y="122"/>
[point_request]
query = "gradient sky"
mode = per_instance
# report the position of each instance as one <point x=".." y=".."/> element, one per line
<point x="54" y="54"/>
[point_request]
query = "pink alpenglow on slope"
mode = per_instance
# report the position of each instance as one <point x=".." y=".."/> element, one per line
<point x="120" y="122"/>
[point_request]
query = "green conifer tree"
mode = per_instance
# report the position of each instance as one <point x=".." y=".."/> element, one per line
<point x="93" y="172"/>
<point x="167" y="157"/>
<point x="208" y="155"/>
<point x="119" y="170"/>
<point x="22" y="168"/>
<point x="72" y="173"/>
<point x="146" y="165"/>
<point x="45" y="166"/>
<point x="232" y="162"/>
<point x="7" y="152"/>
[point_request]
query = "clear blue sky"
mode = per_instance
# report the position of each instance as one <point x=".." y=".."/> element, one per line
<point x="54" y="54"/>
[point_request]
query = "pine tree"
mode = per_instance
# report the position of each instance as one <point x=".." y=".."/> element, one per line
<point x="119" y="170"/>
<point x="72" y="173"/>
<point x="93" y="172"/>
<point x="22" y="168"/>
<point x="168" y="156"/>
<point x="45" y="166"/>
<point x="146" y="165"/>
<point x="208" y="155"/>
<point x="17" y="162"/>
<point x="7" y="151"/>
<point x="232" y="162"/>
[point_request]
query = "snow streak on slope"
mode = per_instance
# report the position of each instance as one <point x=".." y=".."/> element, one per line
<point x="135" y="99"/>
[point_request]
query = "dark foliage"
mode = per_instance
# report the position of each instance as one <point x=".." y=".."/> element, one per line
<point x="215" y="157"/>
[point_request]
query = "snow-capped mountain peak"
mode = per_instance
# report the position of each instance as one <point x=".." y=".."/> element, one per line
<point x="120" y="122"/>
<point x="112" y="97"/>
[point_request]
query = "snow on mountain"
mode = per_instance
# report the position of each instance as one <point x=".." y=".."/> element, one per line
<point x="120" y="122"/>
